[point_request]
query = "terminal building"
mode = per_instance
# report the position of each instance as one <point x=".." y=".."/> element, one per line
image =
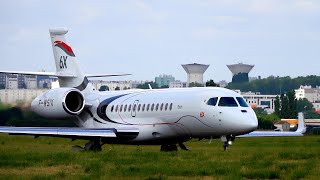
<point x="240" y="72"/>
<point x="311" y="94"/>
<point x="164" y="80"/>
<point x="256" y="100"/>
<point x="195" y="72"/>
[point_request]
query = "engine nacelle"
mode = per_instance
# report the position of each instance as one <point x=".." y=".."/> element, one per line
<point x="59" y="103"/>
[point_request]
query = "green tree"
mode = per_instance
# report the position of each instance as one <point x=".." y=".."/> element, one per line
<point x="146" y="85"/>
<point x="117" y="88"/>
<point x="104" y="88"/>
<point x="195" y="84"/>
<point x="211" y="83"/>
<point x="303" y="105"/>
<point x="285" y="112"/>
<point x="164" y="86"/>
<point x="277" y="106"/>
<point x="292" y="104"/>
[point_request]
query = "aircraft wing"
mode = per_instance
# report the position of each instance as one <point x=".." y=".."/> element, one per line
<point x="71" y="132"/>
<point x="299" y="132"/>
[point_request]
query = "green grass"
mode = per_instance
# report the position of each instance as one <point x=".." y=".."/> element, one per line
<point x="22" y="157"/>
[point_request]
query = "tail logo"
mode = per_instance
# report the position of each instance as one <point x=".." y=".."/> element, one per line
<point x="65" y="47"/>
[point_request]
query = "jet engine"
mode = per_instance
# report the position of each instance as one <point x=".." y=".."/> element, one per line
<point x="59" y="103"/>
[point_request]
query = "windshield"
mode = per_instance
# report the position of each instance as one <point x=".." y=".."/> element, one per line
<point x="228" y="102"/>
<point x="212" y="101"/>
<point x="242" y="102"/>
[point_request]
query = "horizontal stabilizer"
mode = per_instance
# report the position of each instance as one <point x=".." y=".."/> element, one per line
<point x="60" y="74"/>
<point x="71" y="132"/>
<point x="105" y="75"/>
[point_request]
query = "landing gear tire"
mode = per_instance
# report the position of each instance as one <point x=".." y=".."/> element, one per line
<point x="183" y="147"/>
<point x="227" y="141"/>
<point x="92" y="145"/>
<point x="168" y="147"/>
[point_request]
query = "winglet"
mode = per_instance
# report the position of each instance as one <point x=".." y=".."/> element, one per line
<point x="301" y="123"/>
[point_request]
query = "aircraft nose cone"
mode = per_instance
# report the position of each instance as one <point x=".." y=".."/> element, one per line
<point x="252" y="123"/>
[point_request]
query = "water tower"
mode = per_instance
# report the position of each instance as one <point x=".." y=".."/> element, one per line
<point x="195" y="72"/>
<point x="240" y="72"/>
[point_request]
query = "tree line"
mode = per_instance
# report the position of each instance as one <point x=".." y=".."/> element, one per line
<point x="276" y="85"/>
<point x="18" y="116"/>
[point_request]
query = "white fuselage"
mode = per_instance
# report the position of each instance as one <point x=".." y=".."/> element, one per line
<point x="175" y="114"/>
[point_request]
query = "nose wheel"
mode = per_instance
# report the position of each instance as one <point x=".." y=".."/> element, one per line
<point x="227" y="141"/>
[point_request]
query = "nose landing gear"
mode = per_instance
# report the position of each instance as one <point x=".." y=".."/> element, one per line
<point x="227" y="141"/>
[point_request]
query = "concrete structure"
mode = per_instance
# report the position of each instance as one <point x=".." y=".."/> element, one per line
<point x="12" y="81"/>
<point x="312" y="94"/>
<point x="265" y="102"/>
<point x="3" y="80"/>
<point x="177" y="84"/>
<point x="15" y="96"/>
<point x="27" y="82"/>
<point x="113" y="85"/>
<point x="164" y="80"/>
<point x="223" y="83"/>
<point x="240" y="69"/>
<point x="195" y="72"/>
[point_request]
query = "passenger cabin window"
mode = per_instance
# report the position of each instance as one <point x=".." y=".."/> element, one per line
<point x="242" y="102"/>
<point x="148" y="107"/>
<point x="129" y="108"/>
<point x="134" y="107"/>
<point x="170" y="108"/>
<point x="152" y="106"/>
<point x="112" y="108"/>
<point x="116" y="108"/>
<point x="161" y="106"/>
<point x="157" y="107"/>
<point x="166" y="107"/>
<point x="228" y="102"/>
<point x="139" y="106"/>
<point x="212" y="101"/>
<point x="121" y="108"/>
<point x="125" y="108"/>
<point x="143" y="106"/>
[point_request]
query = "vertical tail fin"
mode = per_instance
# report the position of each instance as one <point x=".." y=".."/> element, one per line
<point x="66" y="63"/>
<point x="301" y="123"/>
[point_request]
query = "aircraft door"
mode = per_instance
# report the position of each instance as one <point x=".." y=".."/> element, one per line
<point x="134" y="108"/>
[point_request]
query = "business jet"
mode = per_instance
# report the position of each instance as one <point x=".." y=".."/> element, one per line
<point x="165" y="117"/>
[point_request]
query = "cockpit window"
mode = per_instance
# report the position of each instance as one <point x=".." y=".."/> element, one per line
<point x="212" y="101"/>
<point x="228" y="102"/>
<point x="242" y="102"/>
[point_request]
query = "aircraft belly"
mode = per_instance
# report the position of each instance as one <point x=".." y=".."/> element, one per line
<point x="200" y="126"/>
<point x="154" y="134"/>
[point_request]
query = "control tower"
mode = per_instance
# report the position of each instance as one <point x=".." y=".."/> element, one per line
<point x="240" y="72"/>
<point x="195" y="72"/>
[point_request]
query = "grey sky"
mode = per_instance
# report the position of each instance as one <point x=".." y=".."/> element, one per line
<point x="148" y="38"/>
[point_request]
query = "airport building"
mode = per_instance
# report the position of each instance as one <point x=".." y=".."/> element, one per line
<point x="195" y="72"/>
<point x="177" y="84"/>
<point x="112" y="85"/>
<point x="3" y="80"/>
<point x="164" y="80"/>
<point x="255" y="100"/>
<point x="240" y="72"/>
<point x="15" y="96"/>
<point x="312" y="94"/>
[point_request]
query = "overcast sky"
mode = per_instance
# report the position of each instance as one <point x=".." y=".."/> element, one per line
<point x="148" y="38"/>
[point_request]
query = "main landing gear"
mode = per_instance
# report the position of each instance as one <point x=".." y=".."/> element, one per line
<point x="93" y="145"/>
<point x="227" y="141"/>
<point x="173" y="147"/>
